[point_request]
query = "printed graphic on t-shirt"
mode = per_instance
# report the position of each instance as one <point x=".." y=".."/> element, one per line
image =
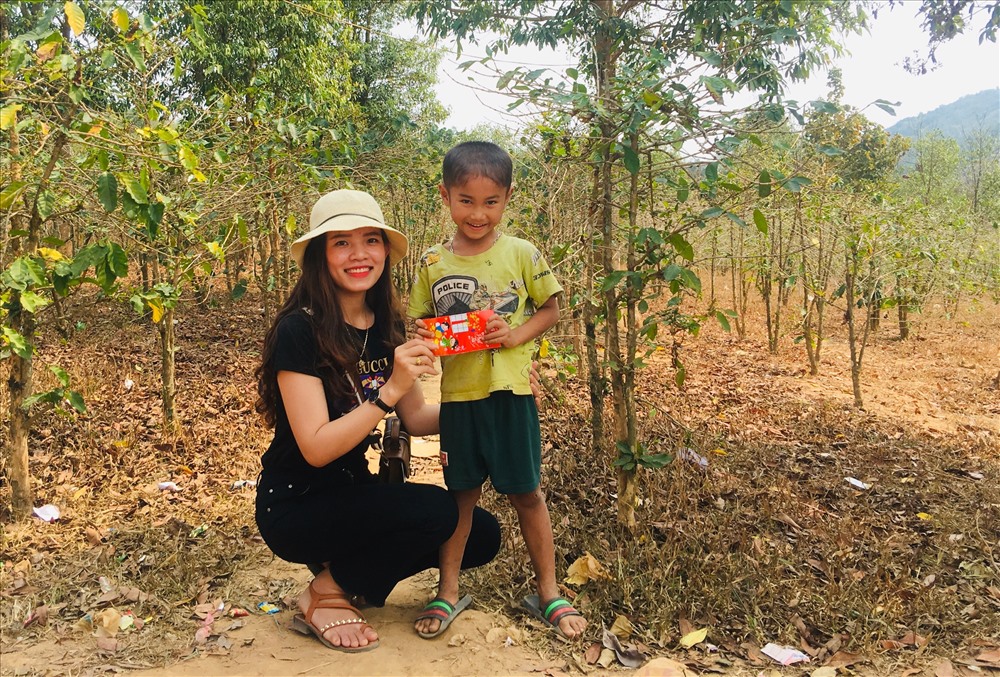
<point x="373" y="373"/>
<point x="455" y="294"/>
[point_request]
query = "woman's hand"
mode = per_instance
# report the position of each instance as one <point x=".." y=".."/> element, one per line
<point x="410" y="361"/>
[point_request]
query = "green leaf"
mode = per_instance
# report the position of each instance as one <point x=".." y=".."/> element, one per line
<point x="117" y="260"/>
<point x="17" y="343"/>
<point x="690" y="280"/>
<point x="75" y="400"/>
<point x="33" y="302"/>
<point x="631" y="160"/>
<point x="737" y="219"/>
<point x="239" y="289"/>
<point x="655" y="461"/>
<point x="60" y="374"/>
<point x="10" y="193"/>
<point x="796" y="183"/>
<point x="107" y="191"/>
<point x="46" y="204"/>
<point x="680" y="375"/>
<point x="154" y="216"/>
<point x="712" y="172"/>
<point x="681" y="246"/>
<point x="120" y="17"/>
<point x="712" y="212"/>
<point x="26" y="271"/>
<point x="723" y="320"/>
<point x="60" y="283"/>
<point x="888" y="106"/>
<point x="134" y="52"/>
<point x="760" y="221"/>
<point x="75" y="18"/>
<point x="672" y="272"/>
<point x="135" y="189"/>
<point x="187" y="157"/>
<point x="87" y="257"/>
<point x="824" y="106"/>
<point x="831" y="151"/>
<point x="8" y="115"/>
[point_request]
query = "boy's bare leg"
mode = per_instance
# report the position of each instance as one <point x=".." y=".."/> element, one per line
<point x="533" y="517"/>
<point x="451" y="554"/>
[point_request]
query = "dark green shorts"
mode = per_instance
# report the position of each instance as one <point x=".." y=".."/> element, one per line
<point x="497" y="438"/>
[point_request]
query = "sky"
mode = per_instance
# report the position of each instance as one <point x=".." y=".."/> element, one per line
<point x="873" y="70"/>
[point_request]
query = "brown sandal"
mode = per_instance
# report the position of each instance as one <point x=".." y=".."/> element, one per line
<point x="303" y="622"/>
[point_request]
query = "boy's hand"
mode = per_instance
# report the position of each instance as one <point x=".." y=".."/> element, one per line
<point x="422" y="331"/>
<point x="536" y="385"/>
<point x="498" y="331"/>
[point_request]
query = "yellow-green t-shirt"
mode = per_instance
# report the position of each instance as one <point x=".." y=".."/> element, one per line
<point x="513" y="279"/>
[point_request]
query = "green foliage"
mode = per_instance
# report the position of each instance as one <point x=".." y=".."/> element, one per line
<point x="56" y="397"/>
<point x="631" y="458"/>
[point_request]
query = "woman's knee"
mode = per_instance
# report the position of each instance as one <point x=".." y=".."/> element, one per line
<point x="435" y="506"/>
<point x="484" y="539"/>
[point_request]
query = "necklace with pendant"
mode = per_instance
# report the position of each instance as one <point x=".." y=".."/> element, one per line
<point x="361" y="355"/>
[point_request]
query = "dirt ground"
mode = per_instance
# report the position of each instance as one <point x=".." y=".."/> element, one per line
<point x="480" y="642"/>
<point x="943" y="383"/>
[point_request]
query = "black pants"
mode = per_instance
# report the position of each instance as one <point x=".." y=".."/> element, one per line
<point x="373" y="535"/>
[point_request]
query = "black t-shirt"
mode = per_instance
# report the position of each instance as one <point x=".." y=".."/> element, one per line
<point x="296" y="350"/>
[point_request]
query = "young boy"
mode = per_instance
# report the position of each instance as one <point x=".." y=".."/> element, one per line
<point x="489" y="423"/>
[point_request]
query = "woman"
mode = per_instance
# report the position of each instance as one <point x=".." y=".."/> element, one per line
<point x="335" y="362"/>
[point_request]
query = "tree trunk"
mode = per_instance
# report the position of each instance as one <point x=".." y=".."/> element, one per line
<point x="904" y="320"/>
<point x="852" y="338"/>
<point x="21" y="386"/>
<point x="167" y="366"/>
<point x="21" y="381"/>
<point x="588" y="313"/>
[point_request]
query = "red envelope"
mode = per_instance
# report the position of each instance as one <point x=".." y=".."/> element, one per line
<point x="462" y="333"/>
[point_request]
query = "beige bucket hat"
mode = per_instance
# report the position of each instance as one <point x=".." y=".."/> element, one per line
<point x="344" y="210"/>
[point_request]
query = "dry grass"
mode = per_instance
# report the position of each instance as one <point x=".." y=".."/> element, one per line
<point x="769" y="544"/>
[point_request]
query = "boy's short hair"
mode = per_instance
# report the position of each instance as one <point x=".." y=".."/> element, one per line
<point x="477" y="158"/>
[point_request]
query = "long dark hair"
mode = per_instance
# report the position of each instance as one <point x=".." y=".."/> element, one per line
<point x="335" y="340"/>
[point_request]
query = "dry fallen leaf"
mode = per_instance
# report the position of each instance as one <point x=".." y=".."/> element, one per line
<point x="692" y="638"/>
<point x="109" y="644"/>
<point x="585" y="569"/>
<point x="664" y="667"/>
<point x="106" y="622"/>
<point x="944" y="669"/>
<point x="622" y="627"/>
<point x="913" y="638"/>
<point x="825" y="671"/>
<point x="989" y="656"/>
<point x="843" y="659"/>
<point x="593" y="653"/>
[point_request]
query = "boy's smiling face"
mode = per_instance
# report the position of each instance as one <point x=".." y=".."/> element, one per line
<point x="476" y="208"/>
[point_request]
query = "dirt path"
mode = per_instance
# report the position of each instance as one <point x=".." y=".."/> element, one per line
<point x="475" y="644"/>
<point x="478" y="642"/>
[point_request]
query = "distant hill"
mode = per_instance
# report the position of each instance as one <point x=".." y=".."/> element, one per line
<point x="956" y="119"/>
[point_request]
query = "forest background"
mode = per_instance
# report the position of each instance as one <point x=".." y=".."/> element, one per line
<point x="159" y="156"/>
